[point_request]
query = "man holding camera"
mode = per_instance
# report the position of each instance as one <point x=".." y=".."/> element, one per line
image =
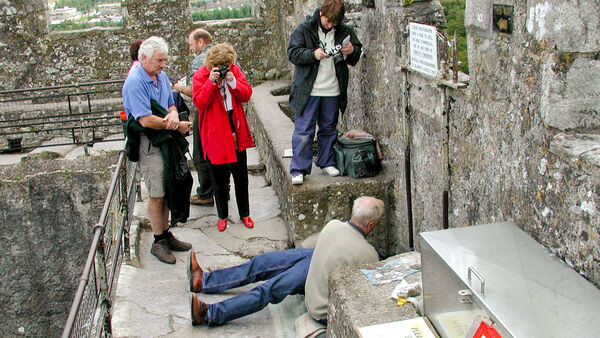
<point x="321" y="48"/>
<point x="199" y="42"/>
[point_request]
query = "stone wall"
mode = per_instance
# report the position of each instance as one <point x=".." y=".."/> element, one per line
<point x="31" y="56"/>
<point x="526" y="89"/>
<point x="521" y="140"/>
<point x="47" y="213"/>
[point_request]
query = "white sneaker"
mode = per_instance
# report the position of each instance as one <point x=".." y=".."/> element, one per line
<point x="297" y="179"/>
<point x="331" y="171"/>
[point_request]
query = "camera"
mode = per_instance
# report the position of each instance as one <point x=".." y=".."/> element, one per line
<point x="223" y="71"/>
<point x="333" y="51"/>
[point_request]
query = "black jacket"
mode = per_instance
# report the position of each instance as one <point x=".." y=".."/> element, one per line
<point x="173" y="146"/>
<point x="301" y="52"/>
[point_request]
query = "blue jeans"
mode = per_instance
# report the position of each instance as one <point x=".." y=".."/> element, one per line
<point x="284" y="273"/>
<point x="325" y="112"/>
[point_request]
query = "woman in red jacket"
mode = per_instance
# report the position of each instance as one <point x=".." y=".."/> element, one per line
<point x="219" y="88"/>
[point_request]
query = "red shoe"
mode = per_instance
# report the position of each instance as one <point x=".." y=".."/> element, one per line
<point x="222" y="224"/>
<point x="248" y="222"/>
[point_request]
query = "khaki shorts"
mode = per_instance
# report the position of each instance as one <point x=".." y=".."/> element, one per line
<point x="151" y="166"/>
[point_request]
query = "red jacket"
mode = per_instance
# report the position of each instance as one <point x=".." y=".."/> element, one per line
<point x="215" y="130"/>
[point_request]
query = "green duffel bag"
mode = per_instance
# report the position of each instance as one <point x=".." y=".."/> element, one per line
<point x="356" y="157"/>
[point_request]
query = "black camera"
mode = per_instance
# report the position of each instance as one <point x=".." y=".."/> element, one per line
<point x="223" y="71"/>
<point x="333" y="51"/>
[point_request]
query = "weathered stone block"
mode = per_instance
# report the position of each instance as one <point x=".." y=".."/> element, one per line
<point x="478" y="17"/>
<point x="571" y="91"/>
<point x="570" y="26"/>
<point x="579" y="151"/>
<point x="354" y="302"/>
<point x="47" y="214"/>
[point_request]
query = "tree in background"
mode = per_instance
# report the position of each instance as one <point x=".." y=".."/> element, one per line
<point x="454" y="10"/>
<point x="223" y="13"/>
<point x="83" y="5"/>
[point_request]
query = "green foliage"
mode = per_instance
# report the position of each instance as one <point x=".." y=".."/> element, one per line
<point x="82" y="5"/>
<point x="455" y="17"/>
<point x="223" y="13"/>
<point x="71" y="25"/>
<point x="201" y="3"/>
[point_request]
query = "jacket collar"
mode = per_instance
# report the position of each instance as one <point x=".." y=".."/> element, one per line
<point x="357" y="228"/>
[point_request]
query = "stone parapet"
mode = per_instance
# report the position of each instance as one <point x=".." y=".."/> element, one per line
<point x="307" y="208"/>
<point x="47" y="215"/>
<point x="354" y="302"/>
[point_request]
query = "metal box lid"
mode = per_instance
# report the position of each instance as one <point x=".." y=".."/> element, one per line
<point x="527" y="290"/>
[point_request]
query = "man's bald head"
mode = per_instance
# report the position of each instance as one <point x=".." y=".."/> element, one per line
<point x="198" y="39"/>
<point x="367" y="211"/>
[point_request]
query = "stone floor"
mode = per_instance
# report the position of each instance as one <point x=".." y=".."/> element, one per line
<point x="153" y="298"/>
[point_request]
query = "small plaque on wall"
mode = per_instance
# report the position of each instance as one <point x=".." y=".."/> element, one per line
<point x="503" y="18"/>
<point x="423" y="49"/>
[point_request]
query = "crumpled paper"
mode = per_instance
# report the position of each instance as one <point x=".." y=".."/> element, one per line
<point x="404" y="290"/>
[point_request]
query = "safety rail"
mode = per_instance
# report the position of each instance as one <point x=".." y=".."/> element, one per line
<point x="90" y="314"/>
<point x="78" y="114"/>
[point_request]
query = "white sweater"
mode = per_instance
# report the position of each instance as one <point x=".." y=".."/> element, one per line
<point x="326" y="83"/>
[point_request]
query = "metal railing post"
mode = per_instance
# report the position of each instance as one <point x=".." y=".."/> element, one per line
<point x="82" y="127"/>
<point x="125" y="208"/>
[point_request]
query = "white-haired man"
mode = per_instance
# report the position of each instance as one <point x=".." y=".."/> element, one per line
<point x="144" y="84"/>
<point x="285" y="272"/>
<point x="341" y="244"/>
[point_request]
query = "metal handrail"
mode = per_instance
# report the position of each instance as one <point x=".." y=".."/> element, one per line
<point x="39" y="117"/>
<point x="98" y="318"/>
<point x="85" y="84"/>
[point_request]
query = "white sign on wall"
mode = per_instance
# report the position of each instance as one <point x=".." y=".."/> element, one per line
<point x="423" y="48"/>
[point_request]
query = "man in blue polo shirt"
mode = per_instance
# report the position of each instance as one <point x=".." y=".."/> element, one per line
<point x="143" y="84"/>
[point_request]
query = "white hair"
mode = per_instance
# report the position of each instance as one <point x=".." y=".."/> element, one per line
<point x="152" y="45"/>
<point x="366" y="209"/>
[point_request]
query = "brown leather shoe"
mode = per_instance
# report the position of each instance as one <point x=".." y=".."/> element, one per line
<point x="207" y="202"/>
<point x="161" y="250"/>
<point x="177" y="245"/>
<point x="198" y="309"/>
<point x="194" y="273"/>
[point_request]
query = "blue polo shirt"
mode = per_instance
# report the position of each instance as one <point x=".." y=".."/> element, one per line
<point x="139" y="88"/>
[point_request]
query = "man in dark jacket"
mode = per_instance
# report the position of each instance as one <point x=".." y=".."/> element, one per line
<point x="200" y="41"/>
<point x="321" y="48"/>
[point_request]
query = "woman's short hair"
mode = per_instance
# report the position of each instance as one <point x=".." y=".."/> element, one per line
<point x="221" y="54"/>
<point x="367" y="209"/>
<point x="134" y="49"/>
<point x="152" y="45"/>
<point x="333" y="10"/>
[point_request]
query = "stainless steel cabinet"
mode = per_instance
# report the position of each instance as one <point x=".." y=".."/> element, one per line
<point x="499" y="272"/>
